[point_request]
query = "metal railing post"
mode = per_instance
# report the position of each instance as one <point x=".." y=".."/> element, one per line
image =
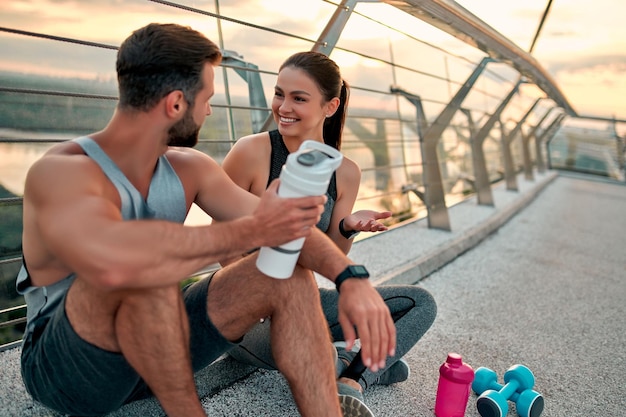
<point x="619" y="145"/>
<point x="481" y="176"/>
<point x="510" y="174"/>
<point x="328" y="38"/>
<point x="532" y="134"/>
<point x="541" y="165"/>
<point x="434" y="195"/>
<point x="250" y="74"/>
<point x="528" y="163"/>
<point x="550" y="132"/>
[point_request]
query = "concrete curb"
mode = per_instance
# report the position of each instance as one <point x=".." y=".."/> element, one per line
<point x="458" y="241"/>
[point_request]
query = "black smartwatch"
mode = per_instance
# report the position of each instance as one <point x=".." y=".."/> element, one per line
<point x="352" y="271"/>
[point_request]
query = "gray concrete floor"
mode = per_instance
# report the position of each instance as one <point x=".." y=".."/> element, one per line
<point x="547" y="290"/>
<point x="544" y="287"/>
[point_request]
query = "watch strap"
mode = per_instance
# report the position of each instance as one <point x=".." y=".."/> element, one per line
<point x="351" y="272"/>
<point x="347" y="234"/>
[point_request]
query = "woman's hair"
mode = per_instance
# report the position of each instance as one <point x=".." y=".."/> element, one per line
<point x="160" y="58"/>
<point x="325" y="73"/>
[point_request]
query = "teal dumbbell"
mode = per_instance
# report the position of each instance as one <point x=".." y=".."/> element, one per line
<point x="493" y="397"/>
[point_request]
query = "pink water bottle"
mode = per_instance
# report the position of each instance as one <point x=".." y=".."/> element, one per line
<point x="455" y="382"/>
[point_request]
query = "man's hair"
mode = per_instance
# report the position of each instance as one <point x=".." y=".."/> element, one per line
<point x="160" y="58"/>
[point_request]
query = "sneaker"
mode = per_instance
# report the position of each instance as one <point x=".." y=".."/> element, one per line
<point x="352" y="407"/>
<point x="397" y="372"/>
<point x="343" y="356"/>
<point x="352" y="402"/>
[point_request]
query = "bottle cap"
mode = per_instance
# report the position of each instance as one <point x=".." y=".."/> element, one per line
<point x="456" y="370"/>
<point x="454" y="359"/>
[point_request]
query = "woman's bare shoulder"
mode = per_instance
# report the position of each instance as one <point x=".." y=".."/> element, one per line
<point x="255" y="141"/>
<point x="349" y="170"/>
<point x="249" y="149"/>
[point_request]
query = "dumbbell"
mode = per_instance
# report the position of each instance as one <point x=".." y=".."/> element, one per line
<point x="519" y="381"/>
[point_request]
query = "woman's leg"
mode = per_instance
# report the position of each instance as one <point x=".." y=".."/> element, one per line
<point x="255" y="348"/>
<point x="413" y="310"/>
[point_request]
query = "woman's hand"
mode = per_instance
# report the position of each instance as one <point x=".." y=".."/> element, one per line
<point x="366" y="221"/>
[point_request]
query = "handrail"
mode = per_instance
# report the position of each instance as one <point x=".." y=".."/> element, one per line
<point x="11" y="309"/>
<point x="10" y="345"/>
<point x="452" y="18"/>
<point x="383" y="132"/>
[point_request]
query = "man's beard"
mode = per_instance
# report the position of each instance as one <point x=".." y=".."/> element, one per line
<point x="184" y="133"/>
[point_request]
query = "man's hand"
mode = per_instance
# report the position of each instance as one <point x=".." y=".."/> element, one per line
<point x="361" y="306"/>
<point x="281" y="220"/>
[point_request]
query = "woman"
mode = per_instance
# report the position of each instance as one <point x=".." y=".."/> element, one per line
<point x="310" y="102"/>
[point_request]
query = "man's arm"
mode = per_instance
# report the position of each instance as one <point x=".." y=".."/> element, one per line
<point x="80" y="229"/>
<point x="360" y="305"/>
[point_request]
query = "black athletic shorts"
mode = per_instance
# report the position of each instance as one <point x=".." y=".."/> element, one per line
<point x="74" y="377"/>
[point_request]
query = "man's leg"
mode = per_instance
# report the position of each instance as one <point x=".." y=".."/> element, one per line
<point x="150" y="328"/>
<point x="255" y="349"/>
<point x="240" y="295"/>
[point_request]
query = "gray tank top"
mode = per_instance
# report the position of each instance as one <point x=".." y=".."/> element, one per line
<point x="279" y="158"/>
<point x="166" y="201"/>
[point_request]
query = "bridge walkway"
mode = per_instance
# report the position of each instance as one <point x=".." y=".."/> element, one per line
<point x="538" y="279"/>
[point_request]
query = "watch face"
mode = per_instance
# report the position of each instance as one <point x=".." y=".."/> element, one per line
<point x="359" y="270"/>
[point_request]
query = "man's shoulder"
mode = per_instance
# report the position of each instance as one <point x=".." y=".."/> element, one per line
<point x="189" y="163"/>
<point x="61" y="157"/>
<point x="67" y="148"/>
<point x="63" y="174"/>
<point x="182" y="151"/>
<point x="177" y="154"/>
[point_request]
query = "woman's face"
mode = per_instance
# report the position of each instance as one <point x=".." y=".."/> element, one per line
<point x="298" y="106"/>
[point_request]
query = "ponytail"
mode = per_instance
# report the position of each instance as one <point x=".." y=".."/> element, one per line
<point x="333" y="126"/>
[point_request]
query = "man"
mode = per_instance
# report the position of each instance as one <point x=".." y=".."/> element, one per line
<point x="105" y="250"/>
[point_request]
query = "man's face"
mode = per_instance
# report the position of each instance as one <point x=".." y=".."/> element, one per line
<point x="185" y="132"/>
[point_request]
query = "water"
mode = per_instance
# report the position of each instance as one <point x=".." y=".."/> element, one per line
<point x="17" y="158"/>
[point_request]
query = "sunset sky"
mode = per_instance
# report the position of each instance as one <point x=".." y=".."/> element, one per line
<point x="582" y="44"/>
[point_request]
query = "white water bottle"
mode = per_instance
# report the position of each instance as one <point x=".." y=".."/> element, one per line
<point x="307" y="172"/>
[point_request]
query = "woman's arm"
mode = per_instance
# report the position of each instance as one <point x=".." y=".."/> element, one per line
<point x="348" y="182"/>
<point x="248" y="162"/>
<point x="247" y="165"/>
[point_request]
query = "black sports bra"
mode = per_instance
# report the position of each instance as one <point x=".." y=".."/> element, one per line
<point x="278" y="159"/>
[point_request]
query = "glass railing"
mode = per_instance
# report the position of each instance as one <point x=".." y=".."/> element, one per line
<point x="12" y="310"/>
<point x="406" y="77"/>
<point x="598" y="151"/>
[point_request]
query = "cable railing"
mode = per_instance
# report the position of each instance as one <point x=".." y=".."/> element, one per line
<point x="416" y="111"/>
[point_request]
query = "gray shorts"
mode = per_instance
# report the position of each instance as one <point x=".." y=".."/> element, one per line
<point x="74" y="377"/>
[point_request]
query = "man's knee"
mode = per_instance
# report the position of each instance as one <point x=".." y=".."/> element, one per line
<point x="300" y="291"/>
<point x="150" y="297"/>
<point x="303" y="283"/>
